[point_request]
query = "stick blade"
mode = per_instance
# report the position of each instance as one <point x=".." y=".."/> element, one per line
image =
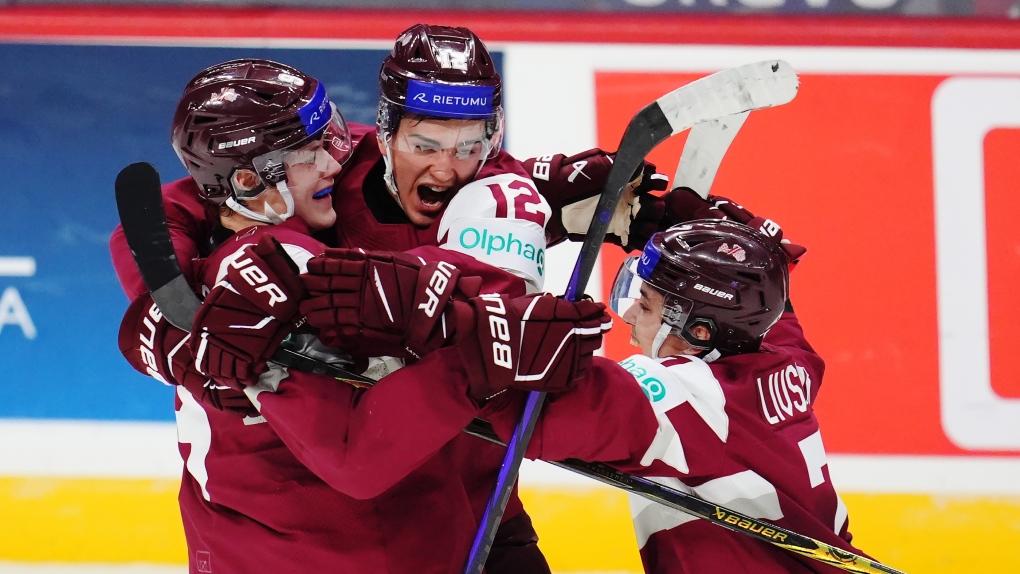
<point x="140" y="205"/>
<point x="732" y="91"/>
<point x="702" y="155"/>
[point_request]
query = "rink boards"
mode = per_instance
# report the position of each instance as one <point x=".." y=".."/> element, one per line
<point x="921" y="514"/>
<point x="896" y="167"/>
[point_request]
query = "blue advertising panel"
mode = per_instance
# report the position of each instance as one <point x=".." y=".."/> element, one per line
<point x="70" y="118"/>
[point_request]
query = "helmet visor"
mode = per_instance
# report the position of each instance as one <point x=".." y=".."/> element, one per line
<point x="331" y="144"/>
<point x="626" y="287"/>
<point x="627" y="290"/>
<point x="462" y="141"/>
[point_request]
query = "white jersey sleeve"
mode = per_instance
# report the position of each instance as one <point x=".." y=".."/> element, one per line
<point x="500" y="220"/>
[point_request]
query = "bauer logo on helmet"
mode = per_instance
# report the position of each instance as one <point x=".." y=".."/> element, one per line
<point x="236" y="143"/>
<point x="716" y="292"/>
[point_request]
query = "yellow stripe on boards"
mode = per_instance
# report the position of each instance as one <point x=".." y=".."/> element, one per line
<point x="582" y="529"/>
<point x="590" y="530"/>
<point x="91" y="520"/>
<point x="937" y="533"/>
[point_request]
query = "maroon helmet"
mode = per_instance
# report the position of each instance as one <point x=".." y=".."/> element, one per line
<point x="444" y="72"/>
<point x="714" y="273"/>
<point x="250" y="114"/>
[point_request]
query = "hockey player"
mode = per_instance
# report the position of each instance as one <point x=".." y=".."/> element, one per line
<point x="718" y="403"/>
<point x="305" y="490"/>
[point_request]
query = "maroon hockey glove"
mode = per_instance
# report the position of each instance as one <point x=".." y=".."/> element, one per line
<point x="156" y="348"/>
<point x="537" y="343"/>
<point x="572" y="186"/>
<point x="683" y="204"/>
<point x="379" y="303"/>
<point x="247" y="314"/>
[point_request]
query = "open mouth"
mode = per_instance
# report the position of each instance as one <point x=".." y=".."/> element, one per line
<point x="430" y="197"/>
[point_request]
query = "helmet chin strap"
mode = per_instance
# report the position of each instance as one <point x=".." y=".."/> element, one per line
<point x="660" y="337"/>
<point x="288" y="200"/>
<point x="391" y="183"/>
<point x="270" y="216"/>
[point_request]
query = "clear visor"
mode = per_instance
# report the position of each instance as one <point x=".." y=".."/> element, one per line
<point x="332" y="144"/>
<point x="627" y="290"/>
<point x="626" y="287"/>
<point x="429" y="139"/>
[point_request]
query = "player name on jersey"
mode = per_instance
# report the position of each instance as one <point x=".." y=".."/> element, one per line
<point x="783" y="393"/>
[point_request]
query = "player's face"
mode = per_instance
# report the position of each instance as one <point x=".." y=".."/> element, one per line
<point x="432" y="160"/>
<point x="310" y="176"/>
<point x="645" y="318"/>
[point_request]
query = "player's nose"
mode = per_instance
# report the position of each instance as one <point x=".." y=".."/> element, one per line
<point x="630" y="315"/>
<point x="442" y="166"/>
<point x="333" y="167"/>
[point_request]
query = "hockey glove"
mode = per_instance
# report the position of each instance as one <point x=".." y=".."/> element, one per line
<point x="572" y="186"/>
<point x="247" y="314"/>
<point x="156" y="348"/>
<point x="379" y="303"/>
<point x="683" y="204"/>
<point x="536" y="343"/>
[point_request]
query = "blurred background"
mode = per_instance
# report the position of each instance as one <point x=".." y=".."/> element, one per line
<point x="896" y="165"/>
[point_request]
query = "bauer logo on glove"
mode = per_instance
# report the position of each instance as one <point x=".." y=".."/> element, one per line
<point x="257" y="278"/>
<point x="242" y="321"/>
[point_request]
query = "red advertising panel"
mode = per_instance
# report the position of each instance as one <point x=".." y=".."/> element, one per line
<point x="1002" y="206"/>
<point x="847" y="169"/>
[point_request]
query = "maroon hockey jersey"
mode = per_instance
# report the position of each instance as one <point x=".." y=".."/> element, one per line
<point x="739" y="432"/>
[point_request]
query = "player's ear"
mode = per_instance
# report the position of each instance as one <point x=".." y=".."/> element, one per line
<point x="701" y="332"/>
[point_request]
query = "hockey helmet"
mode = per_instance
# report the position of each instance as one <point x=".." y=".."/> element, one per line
<point x="719" y="274"/>
<point x="255" y="115"/>
<point x="441" y="72"/>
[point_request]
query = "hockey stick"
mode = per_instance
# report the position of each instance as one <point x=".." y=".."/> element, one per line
<point x="732" y="91"/>
<point x="708" y="511"/>
<point x="140" y="205"/>
<point x="142" y="213"/>
<point x="144" y="222"/>
<point x="706" y="145"/>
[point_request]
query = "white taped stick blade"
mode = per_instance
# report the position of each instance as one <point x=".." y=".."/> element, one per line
<point x="732" y="91"/>
<point x="706" y="145"/>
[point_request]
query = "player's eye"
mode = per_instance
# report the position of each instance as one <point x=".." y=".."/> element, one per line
<point x="423" y="149"/>
<point x="467" y="150"/>
<point x="299" y="158"/>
